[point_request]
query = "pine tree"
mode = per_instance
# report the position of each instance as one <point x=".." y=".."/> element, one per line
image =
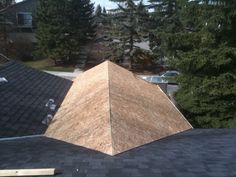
<point x="166" y="24"/>
<point x="82" y="19"/>
<point x="206" y="57"/>
<point x="52" y="29"/>
<point x="98" y="10"/>
<point x="98" y="15"/>
<point x="127" y="29"/>
<point x="63" y="26"/>
<point x="104" y="11"/>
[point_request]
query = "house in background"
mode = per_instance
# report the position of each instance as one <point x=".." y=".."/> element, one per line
<point x="20" y="29"/>
<point x="21" y="15"/>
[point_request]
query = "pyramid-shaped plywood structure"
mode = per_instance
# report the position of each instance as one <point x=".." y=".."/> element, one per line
<point x="111" y="110"/>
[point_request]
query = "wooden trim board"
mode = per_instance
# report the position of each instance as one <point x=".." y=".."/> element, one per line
<point x="28" y="172"/>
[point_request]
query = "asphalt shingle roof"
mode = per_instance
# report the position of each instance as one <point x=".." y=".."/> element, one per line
<point x="193" y="153"/>
<point x="24" y="96"/>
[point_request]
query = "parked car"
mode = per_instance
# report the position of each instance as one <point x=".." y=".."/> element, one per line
<point x="154" y="79"/>
<point x="169" y="76"/>
<point x="158" y="80"/>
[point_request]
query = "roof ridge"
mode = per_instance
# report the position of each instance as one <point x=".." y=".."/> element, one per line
<point x="136" y="117"/>
<point x="19" y="3"/>
<point x="109" y="104"/>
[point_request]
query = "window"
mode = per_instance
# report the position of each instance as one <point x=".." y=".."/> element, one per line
<point x="157" y="79"/>
<point x="24" y="19"/>
<point x="170" y="74"/>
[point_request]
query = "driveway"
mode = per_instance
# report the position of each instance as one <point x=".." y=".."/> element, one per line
<point x="66" y="75"/>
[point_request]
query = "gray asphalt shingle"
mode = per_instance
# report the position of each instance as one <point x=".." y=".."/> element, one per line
<point x="193" y="153"/>
<point x="23" y="99"/>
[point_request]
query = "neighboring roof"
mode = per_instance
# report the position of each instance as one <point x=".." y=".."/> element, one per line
<point x="15" y="5"/>
<point x="21" y="2"/>
<point x="24" y="96"/>
<point x="193" y="153"/>
<point x="111" y="110"/>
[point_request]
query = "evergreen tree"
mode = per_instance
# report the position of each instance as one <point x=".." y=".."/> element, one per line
<point x="98" y="10"/>
<point x="63" y="26"/>
<point x="82" y="19"/>
<point x="98" y="15"/>
<point x="52" y="31"/>
<point x="166" y="24"/>
<point x="127" y="29"/>
<point x="206" y="57"/>
<point x="104" y="11"/>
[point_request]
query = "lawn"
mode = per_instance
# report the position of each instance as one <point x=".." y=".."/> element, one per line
<point x="47" y="64"/>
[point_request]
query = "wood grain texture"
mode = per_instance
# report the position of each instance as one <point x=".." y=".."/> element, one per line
<point x="28" y="172"/>
<point x="84" y="116"/>
<point x="140" y="111"/>
<point x="111" y="110"/>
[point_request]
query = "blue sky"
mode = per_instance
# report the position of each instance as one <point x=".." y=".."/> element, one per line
<point x="106" y="3"/>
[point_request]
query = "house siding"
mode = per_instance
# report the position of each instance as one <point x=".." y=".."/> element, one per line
<point x="26" y="6"/>
<point x="17" y="33"/>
